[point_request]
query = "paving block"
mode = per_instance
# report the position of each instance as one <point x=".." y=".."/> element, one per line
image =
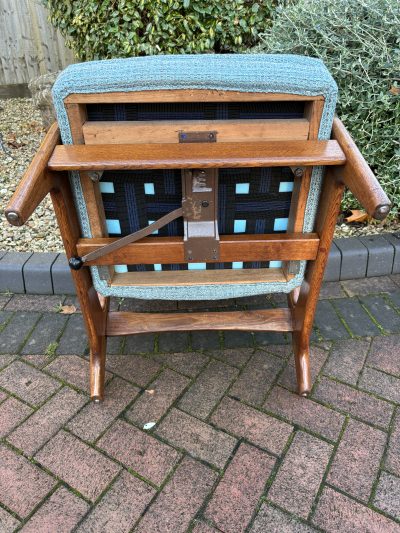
<point x="328" y="322"/>
<point x="382" y="312"/>
<point x="354" y="258"/>
<point x="380" y="255"/>
<point x="61" y="276"/>
<point x="387" y="496"/>
<point x="394" y="239"/>
<point x="332" y="270"/>
<point x="300" y="475"/>
<point x="236" y="496"/>
<point x="11" y="271"/>
<point x="37" y="273"/>
<point x="144" y="454"/>
<point x="356" y="317"/>
<point x="45" y="334"/>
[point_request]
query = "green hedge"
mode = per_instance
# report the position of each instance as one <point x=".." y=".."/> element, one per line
<point x="359" y="41"/>
<point x="123" y="28"/>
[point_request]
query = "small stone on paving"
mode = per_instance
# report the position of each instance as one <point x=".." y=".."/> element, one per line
<point x="155" y="401"/>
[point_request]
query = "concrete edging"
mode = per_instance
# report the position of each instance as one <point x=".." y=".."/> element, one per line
<point x="349" y="258"/>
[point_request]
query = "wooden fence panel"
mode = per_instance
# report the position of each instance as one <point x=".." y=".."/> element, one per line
<point x="29" y="45"/>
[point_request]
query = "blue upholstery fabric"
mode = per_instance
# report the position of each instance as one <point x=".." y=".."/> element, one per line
<point x="249" y="201"/>
<point x="246" y="73"/>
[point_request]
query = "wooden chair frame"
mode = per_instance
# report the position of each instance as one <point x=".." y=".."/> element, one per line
<point x="106" y="146"/>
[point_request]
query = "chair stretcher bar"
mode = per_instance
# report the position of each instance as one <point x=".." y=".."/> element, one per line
<point x="170" y="250"/>
<point x="127" y="323"/>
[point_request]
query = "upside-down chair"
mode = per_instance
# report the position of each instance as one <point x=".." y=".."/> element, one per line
<point x="197" y="177"/>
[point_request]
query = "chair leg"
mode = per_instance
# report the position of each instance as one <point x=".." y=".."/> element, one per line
<point x="94" y="306"/>
<point x="303" y="302"/>
<point x="302" y="361"/>
<point x="97" y="369"/>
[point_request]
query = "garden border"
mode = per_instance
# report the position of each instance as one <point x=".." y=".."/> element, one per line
<point x="349" y="258"/>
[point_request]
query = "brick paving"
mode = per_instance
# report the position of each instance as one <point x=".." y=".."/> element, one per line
<point x="233" y="448"/>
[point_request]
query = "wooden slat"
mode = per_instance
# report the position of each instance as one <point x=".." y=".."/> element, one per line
<point x="91" y="190"/>
<point x="126" y="323"/>
<point x="185" y="95"/>
<point x="168" y="278"/>
<point x="221" y="155"/>
<point x="165" y="131"/>
<point x="301" y="185"/>
<point x="170" y="250"/>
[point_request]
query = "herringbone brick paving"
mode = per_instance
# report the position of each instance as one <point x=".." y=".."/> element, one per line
<point x="232" y="449"/>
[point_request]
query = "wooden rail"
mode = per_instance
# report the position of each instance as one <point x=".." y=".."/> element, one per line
<point x="127" y="323"/>
<point x="170" y="250"/>
<point x="201" y="155"/>
<point x="167" y="131"/>
<point x="176" y="278"/>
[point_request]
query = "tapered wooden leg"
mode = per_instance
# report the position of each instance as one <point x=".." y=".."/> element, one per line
<point x="98" y="344"/>
<point x="94" y="307"/>
<point x="303" y="302"/>
<point x="302" y="362"/>
<point x="97" y="370"/>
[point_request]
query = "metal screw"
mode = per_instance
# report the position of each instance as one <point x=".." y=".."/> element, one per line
<point x="204" y="203"/>
<point x="298" y="172"/>
<point x="95" y="176"/>
<point x="211" y="136"/>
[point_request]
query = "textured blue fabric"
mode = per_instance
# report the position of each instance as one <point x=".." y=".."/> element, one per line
<point x="245" y="73"/>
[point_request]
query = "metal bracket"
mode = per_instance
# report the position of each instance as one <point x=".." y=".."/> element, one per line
<point x="199" y="205"/>
<point x="197" y="136"/>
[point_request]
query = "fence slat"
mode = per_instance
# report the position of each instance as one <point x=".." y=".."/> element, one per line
<point x="29" y="45"/>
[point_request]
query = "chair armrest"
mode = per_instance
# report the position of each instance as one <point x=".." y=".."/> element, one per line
<point x="35" y="184"/>
<point x="357" y="175"/>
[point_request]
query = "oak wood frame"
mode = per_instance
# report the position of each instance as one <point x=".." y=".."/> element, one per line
<point x="297" y="318"/>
